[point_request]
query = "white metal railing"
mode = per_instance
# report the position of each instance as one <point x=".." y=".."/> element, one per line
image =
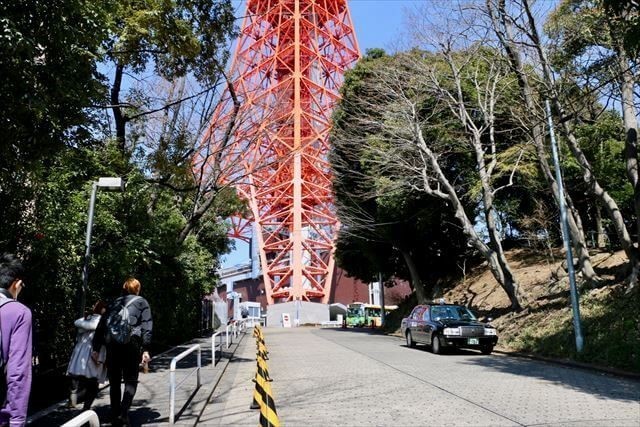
<point x="226" y="332"/>
<point x="172" y="377"/>
<point x="82" y="419"/>
<point x="215" y="347"/>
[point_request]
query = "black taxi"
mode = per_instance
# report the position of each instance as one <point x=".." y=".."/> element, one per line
<point x="447" y="326"/>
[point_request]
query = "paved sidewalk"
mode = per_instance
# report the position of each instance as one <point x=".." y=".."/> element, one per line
<point x="151" y="403"/>
<point x="229" y="404"/>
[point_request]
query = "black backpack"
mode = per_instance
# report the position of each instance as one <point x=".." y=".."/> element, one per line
<point x="118" y="325"/>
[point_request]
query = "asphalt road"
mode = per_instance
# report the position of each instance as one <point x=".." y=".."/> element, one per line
<point x="325" y="377"/>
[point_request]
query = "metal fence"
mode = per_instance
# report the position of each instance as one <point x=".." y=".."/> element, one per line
<point x="172" y="377"/>
<point x="216" y="347"/>
<point x="87" y="417"/>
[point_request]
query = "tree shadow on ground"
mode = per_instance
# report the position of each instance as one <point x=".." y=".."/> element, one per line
<point x="607" y="387"/>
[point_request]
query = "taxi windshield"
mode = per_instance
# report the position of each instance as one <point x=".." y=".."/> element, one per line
<point x="451" y="312"/>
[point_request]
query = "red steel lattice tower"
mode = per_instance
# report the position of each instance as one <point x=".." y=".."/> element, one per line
<point x="288" y="66"/>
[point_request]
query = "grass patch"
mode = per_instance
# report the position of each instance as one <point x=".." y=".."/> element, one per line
<point x="610" y="327"/>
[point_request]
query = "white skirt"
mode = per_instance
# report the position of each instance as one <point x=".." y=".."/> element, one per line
<point x="81" y="363"/>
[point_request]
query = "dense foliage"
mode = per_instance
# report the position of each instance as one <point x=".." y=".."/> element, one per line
<point x="455" y="132"/>
<point x="66" y="63"/>
<point x="387" y="229"/>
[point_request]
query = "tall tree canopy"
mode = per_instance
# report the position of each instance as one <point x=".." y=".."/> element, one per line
<point x="77" y="75"/>
<point x="421" y="126"/>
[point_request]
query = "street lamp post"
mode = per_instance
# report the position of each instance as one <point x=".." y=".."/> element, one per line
<point x="109" y="184"/>
<point x="564" y="226"/>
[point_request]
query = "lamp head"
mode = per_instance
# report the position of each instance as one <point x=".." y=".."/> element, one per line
<point x="112" y="184"/>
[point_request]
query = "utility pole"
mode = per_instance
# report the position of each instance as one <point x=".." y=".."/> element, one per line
<point x="564" y="224"/>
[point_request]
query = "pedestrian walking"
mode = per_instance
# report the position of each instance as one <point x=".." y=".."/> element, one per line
<point x="16" y="341"/>
<point x="126" y="329"/>
<point x="85" y="372"/>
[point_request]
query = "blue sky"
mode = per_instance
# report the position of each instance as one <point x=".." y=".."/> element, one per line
<point x="378" y="23"/>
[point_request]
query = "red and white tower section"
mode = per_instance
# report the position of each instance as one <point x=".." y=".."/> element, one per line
<point x="288" y="66"/>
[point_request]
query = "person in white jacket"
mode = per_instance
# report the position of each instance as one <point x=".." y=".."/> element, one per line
<point x="86" y="372"/>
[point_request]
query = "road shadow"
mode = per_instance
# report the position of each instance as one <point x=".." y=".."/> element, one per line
<point x="447" y="352"/>
<point x="355" y="330"/>
<point x="584" y="380"/>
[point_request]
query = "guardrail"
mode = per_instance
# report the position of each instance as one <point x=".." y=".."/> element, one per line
<point x="238" y="327"/>
<point x="214" y="347"/>
<point x="172" y="378"/>
<point x="89" y="417"/>
<point x="226" y="332"/>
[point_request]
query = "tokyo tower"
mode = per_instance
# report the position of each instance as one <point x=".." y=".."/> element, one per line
<point x="268" y="138"/>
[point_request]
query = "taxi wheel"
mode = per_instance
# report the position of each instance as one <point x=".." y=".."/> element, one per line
<point x="486" y="349"/>
<point x="436" y="347"/>
<point x="410" y="342"/>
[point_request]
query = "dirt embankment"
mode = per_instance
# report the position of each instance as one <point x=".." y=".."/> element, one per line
<point x="609" y="314"/>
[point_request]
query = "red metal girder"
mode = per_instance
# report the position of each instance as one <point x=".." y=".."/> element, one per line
<point x="286" y="71"/>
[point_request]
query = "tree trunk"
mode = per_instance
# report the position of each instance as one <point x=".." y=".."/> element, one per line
<point x="195" y="218"/>
<point x="510" y="284"/>
<point x="504" y="278"/>
<point x="418" y="286"/>
<point x="501" y="28"/>
<point x="118" y="117"/>
<point x="630" y="120"/>
<point x="600" y="242"/>
<point x="593" y="185"/>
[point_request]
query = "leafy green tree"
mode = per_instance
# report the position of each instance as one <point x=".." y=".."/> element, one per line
<point x="591" y="41"/>
<point x="128" y="239"/>
<point x="60" y="141"/>
<point x="50" y="78"/>
<point x="173" y="38"/>
<point x="415" y="123"/>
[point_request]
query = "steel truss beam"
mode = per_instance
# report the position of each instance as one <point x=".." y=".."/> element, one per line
<point x="288" y="65"/>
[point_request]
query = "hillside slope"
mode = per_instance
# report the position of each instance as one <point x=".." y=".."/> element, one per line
<point x="610" y="316"/>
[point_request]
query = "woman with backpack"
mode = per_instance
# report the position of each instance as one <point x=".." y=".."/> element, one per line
<point x="86" y="372"/>
<point x="126" y="330"/>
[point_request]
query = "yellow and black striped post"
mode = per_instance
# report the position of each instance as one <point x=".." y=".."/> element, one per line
<point x="262" y="393"/>
<point x="258" y="391"/>
<point x="257" y="331"/>
<point x="262" y="350"/>
<point x="262" y="377"/>
<point x="260" y="344"/>
<point x="268" y="414"/>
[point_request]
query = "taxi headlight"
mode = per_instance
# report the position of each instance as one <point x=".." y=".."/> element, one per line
<point x="452" y="331"/>
<point x="490" y="331"/>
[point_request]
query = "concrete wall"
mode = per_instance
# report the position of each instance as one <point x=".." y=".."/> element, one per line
<point x="306" y="312"/>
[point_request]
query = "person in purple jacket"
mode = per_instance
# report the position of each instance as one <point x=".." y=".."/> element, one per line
<point x="15" y="326"/>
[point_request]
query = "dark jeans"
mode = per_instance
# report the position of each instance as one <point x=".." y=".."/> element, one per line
<point x="123" y="361"/>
